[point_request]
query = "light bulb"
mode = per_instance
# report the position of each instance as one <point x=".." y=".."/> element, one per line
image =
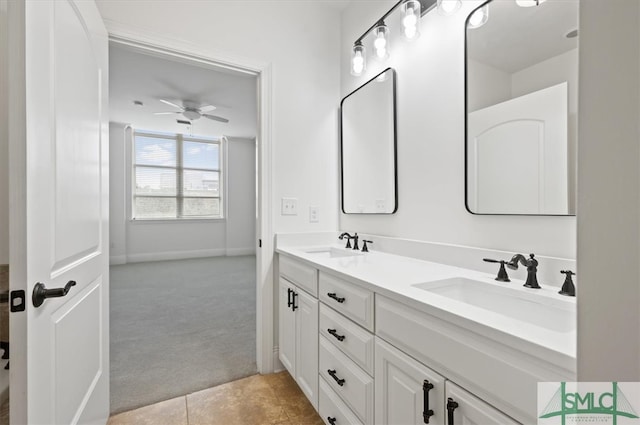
<point x="410" y="19"/>
<point x="479" y="17"/>
<point x="381" y="41"/>
<point x="448" y="7"/>
<point x="358" y="63"/>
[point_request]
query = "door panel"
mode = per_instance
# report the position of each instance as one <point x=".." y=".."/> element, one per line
<point x="473" y="411"/>
<point x="74" y="381"/>
<point x="517" y="155"/>
<point x="399" y="389"/>
<point x="286" y="328"/>
<point x="307" y="345"/>
<point x="77" y="99"/>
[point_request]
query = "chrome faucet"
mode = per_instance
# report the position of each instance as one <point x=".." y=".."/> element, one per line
<point x="532" y="268"/>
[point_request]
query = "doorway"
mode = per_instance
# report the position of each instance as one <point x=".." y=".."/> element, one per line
<point x="182" y="225"/>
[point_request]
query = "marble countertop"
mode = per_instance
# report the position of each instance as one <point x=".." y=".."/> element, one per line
<point x="395" y="277"/>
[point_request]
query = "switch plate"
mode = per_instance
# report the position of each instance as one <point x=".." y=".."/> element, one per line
<point x="314" y="215"/>
<point x="289" y="206"/>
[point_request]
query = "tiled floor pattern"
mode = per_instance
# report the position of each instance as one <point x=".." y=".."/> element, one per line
<point x="258" y="400"/>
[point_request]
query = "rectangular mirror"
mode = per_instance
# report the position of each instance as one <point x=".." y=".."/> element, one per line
<point x="522" y="107"/>
<point x="368" y="147"/>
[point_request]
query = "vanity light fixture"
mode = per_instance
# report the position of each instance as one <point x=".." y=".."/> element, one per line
<point x="479" y="17"/>
<point x="412" y="11"/>
<point x="448" y="7"/>
<point x="411" y="19"/>
<point x="381" y="40"/>
<point x="529" y="3"/>
<point x="358" y="62"/>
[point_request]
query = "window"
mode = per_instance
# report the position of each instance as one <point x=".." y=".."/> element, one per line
<point x="176" y="177"/>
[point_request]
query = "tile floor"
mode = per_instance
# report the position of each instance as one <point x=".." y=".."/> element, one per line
<point x="256" y="400"/>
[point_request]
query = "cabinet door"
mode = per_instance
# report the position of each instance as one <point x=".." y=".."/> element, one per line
<point x="286" y="327"/>
<point x="306" y="311"/>
<point x="402" y="390"/>
<point x="468" y="409"/>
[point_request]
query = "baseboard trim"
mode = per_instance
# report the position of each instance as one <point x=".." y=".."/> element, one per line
<point x="117" y="259"/>
<point x="240" y="251"/>
<point x="175" y="255"/>
<point x="277" y="364"/>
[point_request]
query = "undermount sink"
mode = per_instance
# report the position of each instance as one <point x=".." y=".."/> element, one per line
<point x="514" y="303"/>
<point x="333" y="252"/>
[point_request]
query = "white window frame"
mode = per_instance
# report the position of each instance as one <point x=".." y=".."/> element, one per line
<point x="179" y="168"/>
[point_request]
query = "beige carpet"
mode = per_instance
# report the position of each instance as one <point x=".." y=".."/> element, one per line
<point x="180" y="326"/>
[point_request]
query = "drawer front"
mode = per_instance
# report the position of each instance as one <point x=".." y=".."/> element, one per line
<point x="499" y="374"/>
<point x="351" y="339"/>
<point x="304" y="276"/>
<point x="471" y="410"/>
<point x="356" y="389"/>
<point x="351" y="300"/>
<point x="332" y="409"/>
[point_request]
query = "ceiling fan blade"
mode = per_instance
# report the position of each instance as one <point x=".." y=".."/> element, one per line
<point x="166" y="102"/>
<point x="206" y="108"/>
<point x="167" y="113"/>
<point x="215" y="118"/>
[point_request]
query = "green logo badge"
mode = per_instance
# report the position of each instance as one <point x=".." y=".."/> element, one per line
<point x="590" y="402"/>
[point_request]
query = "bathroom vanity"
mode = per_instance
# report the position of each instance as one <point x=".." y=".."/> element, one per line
<point x="377" y="338"/>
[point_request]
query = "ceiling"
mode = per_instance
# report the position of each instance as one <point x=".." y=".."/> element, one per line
<point x="148" y="78"/>
<point x="517" y="37"/>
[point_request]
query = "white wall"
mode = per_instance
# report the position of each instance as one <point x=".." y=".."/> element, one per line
<point x="609" y="192"/>
<point x="431" y="144"/>
<point x="4" y="139"/>
<point x="487" y="85"/>
<point x="301" y="41"/>
<point x="133" y="241"/>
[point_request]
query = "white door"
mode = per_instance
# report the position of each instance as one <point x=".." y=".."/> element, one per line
<point x="286" y="326"/>
<point x="466" y="409"/>
<point x="403" y="389"/>
<point x="517" y="155"/>
<point x="59" y="212"/>
<point x="306" y="310"/>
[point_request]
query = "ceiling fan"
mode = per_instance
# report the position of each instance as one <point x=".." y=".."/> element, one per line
<point x="192" y="111"/>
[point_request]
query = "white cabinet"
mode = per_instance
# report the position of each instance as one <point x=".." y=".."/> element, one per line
<point x="406" y="391"/>
<point x="463" y="408"/>
<point x="298" y="337"/>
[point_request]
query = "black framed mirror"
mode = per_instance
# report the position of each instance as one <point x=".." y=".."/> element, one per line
<point x="368" y="140"/>
<point x="521" y="59"/>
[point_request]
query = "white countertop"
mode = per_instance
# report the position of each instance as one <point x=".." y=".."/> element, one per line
<point x="394" y="276"/>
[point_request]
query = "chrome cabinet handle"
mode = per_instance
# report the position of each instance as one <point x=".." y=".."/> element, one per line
<point x="41" y="293"/>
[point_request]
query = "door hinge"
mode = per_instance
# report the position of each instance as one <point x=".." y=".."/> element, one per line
<point x="259" y="243"/>
<point x="17" y="301"/>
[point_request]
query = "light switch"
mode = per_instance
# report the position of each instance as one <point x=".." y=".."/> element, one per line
<point x="289" y="206"/>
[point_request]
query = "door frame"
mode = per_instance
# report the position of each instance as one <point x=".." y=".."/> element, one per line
<point x="179" y="49"/>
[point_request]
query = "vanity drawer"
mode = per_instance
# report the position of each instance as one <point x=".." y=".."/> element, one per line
<point x="331" y="406"/>
<point x="304" y="276"/>
<point x="356" y="389"/>
<point x="350" y="338"/>
<point x="351" y="300"/>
